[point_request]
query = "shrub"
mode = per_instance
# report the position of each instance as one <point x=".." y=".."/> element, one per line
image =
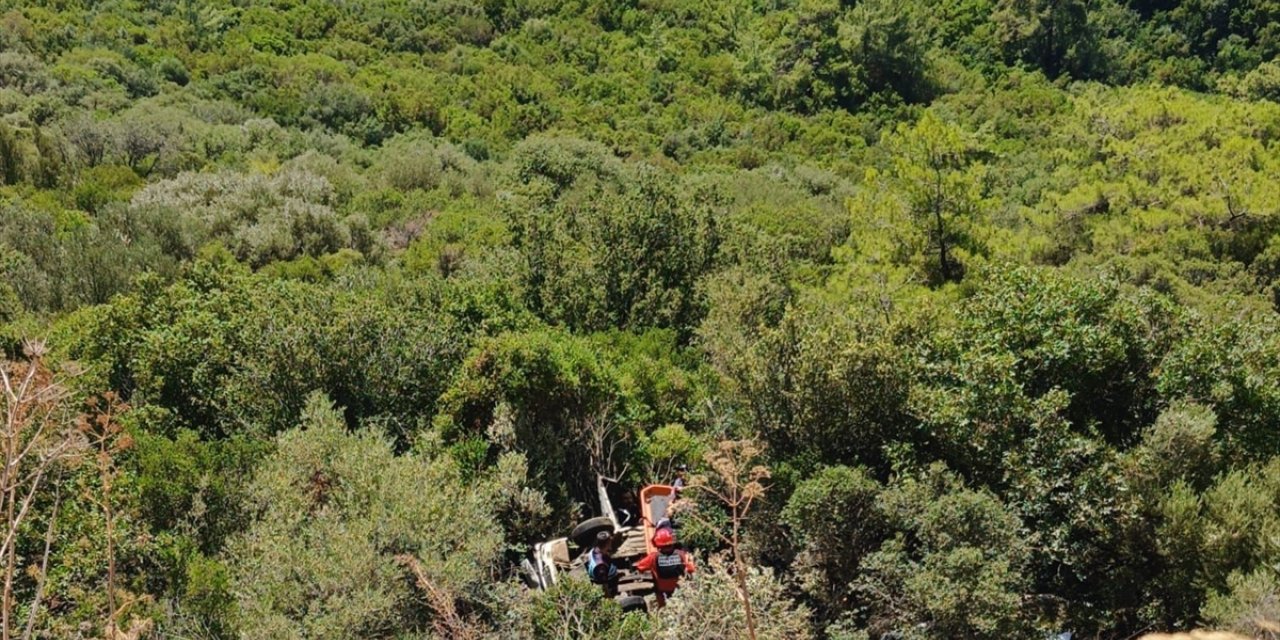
<point x="707" y="605"/>
<point x="837" y="525"/>
<point x="260" y="218"/>
<point x="336" y="510"/>
<point x="610" y="254"/>
<point x="1250" y="606"/>
<point x="954" y="570"/>
<point x="419" y="164"/>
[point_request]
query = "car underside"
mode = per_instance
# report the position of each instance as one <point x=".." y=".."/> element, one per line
<point x="626" y="514"/>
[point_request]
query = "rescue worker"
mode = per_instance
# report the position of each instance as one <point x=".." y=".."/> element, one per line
<point x="665" y="523"/>
<point x="600" y="567"/>
<point x="680" y="480"/>
<point x="667" y="565"/>
<point x="668" y="520"/>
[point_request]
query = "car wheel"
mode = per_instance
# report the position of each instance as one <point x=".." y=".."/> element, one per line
<point x="632" y="603"/>
<point x="585" y="533"/>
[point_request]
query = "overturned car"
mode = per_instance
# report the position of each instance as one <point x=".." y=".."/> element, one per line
<point x="631" y="518"/>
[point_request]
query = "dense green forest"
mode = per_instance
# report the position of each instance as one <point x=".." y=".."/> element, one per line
<point x="317" y="314"/>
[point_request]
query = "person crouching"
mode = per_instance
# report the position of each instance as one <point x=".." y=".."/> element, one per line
<point x="600" y="567"/>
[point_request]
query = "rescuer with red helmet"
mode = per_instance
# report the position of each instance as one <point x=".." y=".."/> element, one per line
<point x="667" y="565"/>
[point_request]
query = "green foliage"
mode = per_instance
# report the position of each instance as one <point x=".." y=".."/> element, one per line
<point x="522" y="242"/>
<point x="1214" y="537"/>
<point x="820" y="386"/>
<point x="453" y="241"/>
<point x="335" y="509"/>
<point x="1031" y="347"/>
<point x="956" y="567"/>
<point x="1248" y="606"/>
<point x="616" y="247"/>
<point x="667" y="447"/>
<point x="207" y="597"/>
<point x="11" y="157"/>
<point x="99" y="187"/>
<point x="707" y="606"/>
<point x="1181" y="445"/>
<point x="830" y="55"/>
<point x="1054" y="35"/>
<point x="573" y="608"/>
<point x="259" y="218"/>
<point x="941" y="189"/>
<point x="1262" y="83"/>
<point x="834" y="517"/>
<point x="538" y="393"/>
<point x="383" y="347"/>
<point x="1224" y="367"/>
<point x="186" y="483"/>
<point x="407" y="164"/>
<point x="59" y="259"/>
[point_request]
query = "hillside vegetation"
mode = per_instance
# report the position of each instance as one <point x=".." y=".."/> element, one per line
<point x="317" y="314"/>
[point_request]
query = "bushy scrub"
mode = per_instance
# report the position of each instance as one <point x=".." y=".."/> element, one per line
<point x="260" y="218"/>
<point x="336" y="513"/>
<point x="708" y="606"/>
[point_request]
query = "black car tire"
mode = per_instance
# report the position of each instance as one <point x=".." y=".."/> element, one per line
<point x="584" y="535"/>
<point x="632" y="603"/>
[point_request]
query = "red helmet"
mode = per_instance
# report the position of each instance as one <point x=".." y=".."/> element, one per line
<point x="664" y="538"/>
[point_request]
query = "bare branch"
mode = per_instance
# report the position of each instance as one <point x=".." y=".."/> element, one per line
<point x="448" y="623"/>
<point x="37" y="437"/>
<point x="738" y="480"/>
<point x="44" y="567"/>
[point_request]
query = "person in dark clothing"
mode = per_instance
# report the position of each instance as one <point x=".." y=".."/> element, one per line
<point x="600" y="567"/>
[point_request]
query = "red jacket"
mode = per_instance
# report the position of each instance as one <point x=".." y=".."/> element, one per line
<point x="666" y="585"/>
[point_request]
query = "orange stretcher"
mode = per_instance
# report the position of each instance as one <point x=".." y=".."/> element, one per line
<point x="655" y="500"/>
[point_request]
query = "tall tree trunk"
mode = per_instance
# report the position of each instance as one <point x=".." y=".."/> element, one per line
<point x="940" y="227"/>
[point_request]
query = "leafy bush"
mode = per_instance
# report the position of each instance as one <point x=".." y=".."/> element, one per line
<point x="411" y="164"/>
<point x="544" y="394"/>
<point x="522" y="242"/>
<point x="624" y="251"/>
<point x="954" y="569"/>
<point x="260" y="218"/>
<point x="707" y="605"/>
<point x="836" y="523"/>
<point x="335" y="510"/>
<point x="573" y="608"/>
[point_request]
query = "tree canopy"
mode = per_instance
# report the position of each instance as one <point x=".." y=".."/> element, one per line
<point x="331" y="310"/>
